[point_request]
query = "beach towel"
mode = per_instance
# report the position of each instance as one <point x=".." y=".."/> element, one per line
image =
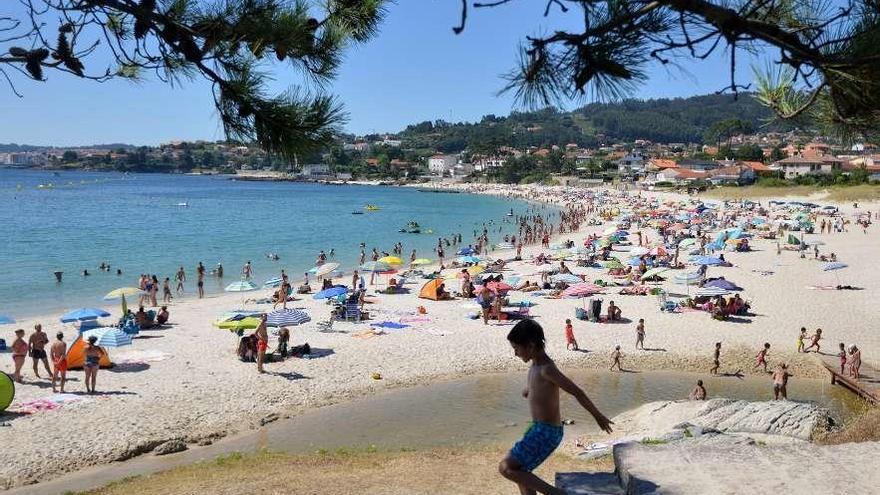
<point x="50" y="403"/>
<point x="389" y="324"/>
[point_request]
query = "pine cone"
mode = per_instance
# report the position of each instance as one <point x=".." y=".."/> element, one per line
<point x="16" y="51"/>
<point x="66" y="28"/>
<point x="141" y="26"/>
<point x="34" y="69"/>
<point x="62" y="51"/>
<point x="74" y="65"/>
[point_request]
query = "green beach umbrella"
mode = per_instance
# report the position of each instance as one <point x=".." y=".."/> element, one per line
<point x="653" y="272"/>
<point x="421" y="262"/>
<point x="7" y="391"/>
<point x="248" y="323"/>
<point x="614" y="263"/>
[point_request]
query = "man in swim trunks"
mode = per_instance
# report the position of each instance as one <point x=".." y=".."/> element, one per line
<point x="19" y="353"/>
<point x="545" y="432"/>
<point x="780" y="382"/>
<point x="180" y="276"/>
<point x="262" y="343"/>
<point x="200" y="282"/>
<point x="59" y="361"/>
<point x="37" y="348"/>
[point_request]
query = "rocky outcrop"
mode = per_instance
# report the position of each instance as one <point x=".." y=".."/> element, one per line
<point x="171" y="446"/>
<point x="659" y="420"/>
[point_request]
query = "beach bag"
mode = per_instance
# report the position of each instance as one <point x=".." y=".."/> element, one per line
<point x="580" y="313"/>
<point x="422" y="310"/>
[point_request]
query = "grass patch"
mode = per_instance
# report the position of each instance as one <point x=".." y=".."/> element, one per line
<point x="862" y="428"/>
<point x="654" y="441"/>
<point x="861" y="192"/>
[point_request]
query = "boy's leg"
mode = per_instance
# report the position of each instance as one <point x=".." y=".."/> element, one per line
<point x="529" y="484"/>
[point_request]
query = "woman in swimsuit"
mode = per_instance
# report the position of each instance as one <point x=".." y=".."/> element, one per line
<point x="92" y="363"/>
<point x="19" y="353"/>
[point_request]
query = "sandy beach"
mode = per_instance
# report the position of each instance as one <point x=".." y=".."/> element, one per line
<point x="186" y="382"/>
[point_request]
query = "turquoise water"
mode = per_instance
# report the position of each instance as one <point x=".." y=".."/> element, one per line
<point x="133" y="222"/>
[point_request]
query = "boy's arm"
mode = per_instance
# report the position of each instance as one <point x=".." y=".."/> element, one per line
<point x="553" y="374"/>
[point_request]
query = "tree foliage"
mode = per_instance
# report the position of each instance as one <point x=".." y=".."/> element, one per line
<point x="825" y="66"/>
<point x="233" y="44"/>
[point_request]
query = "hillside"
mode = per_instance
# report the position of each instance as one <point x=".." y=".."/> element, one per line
<point x="661" y="120"/>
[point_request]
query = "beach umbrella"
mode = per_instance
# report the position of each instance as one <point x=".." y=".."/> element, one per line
<point x="706" y="260"/>
<point x="120" y="293"/>
<point x="653" y="272"/>
<point x="335" y="291"/>
<point x="248" y="323"/>
<point x="613" y="263"/>
<point x="238" y="314"/>
<point x="287" y="317"/>
<point x="273" y="282"/>
<point x="325" y="269"/>
<point x="658" y="251"/>
<point x="468" y="259"/>
<point x="391" y="260"/>
<point x="711" y="291"/>
<point x="547" y="269"/>
<point x="421" y="262"/>
<point x="834" y="265"/>
<point x="684" y="243"/>
<point x="108" y="336"/>
<point x="241" y="286"/>
<point x="83" y="314"/>
<point x="6" y="320"/>
<point x="582" y="289"/>
<point x="815" y="243"/>
<point x="566" y="278"/>
<point x="505" y="245"/>
<point x="465" y="251"/>
<point x="639" y="251"/>
<point x="375" y="266"/>
<point x="688" y="278"/>
<point x="476" y="269"/>
<point x="498" y="287"/>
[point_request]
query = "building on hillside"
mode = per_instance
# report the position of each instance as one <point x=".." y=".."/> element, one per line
<point x="462" y="170"/>
<point x="484" y="163"/>
<point x="738" y="174"/>
<point x="316" y="171"/>
<point x="390" y="142"/>
<point x="679" y="175"/>
<point x="871" y="163"/>
<point x="441" y="164"/>
<point x="657" y="164"/>
<point x="632" y="163"/>
<point x="797" y="166"/>
<point x="697" y="164"/>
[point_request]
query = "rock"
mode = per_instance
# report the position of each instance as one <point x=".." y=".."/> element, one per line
<point x="137" y="449"/>
<point x="786" y="418"/>
<point x="205" y="442"/>
<point x="269" y="418"/>
<point x="171" y="446"/>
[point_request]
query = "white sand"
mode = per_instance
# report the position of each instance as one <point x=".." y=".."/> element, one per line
<point x="202" y="391"/>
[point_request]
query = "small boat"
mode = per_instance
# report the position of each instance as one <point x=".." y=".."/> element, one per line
<point x="411" y="228"/>
<point x="184" y="204"/>
<point x="357" y="213"/>
<point x="372" y="208"/>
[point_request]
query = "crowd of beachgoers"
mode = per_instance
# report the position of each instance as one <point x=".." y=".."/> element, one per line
<point x="619" y="280"/>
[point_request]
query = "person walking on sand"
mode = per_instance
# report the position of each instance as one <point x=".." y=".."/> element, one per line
<point x="780" y="382"/>
<point x="200" y="281"/>
<point x="19" y="353"/>
<point x="93" y="355"/>
<point x="800" y="340"/>
<point x="761" y="358"/>
<point x="640" y="334"/>
<point x="545" y="433"/>
<point x="166" y="290"/>
<point x="814" y="341"/>
<point x="59" y="361"/>
<point x="570" y="342"/>
<point x="180" y="277"/>
<point x="615" y="359"/>
<point x="262" y="343"/>
<point x="716" y="360"/>
<point x="37" y="349"/>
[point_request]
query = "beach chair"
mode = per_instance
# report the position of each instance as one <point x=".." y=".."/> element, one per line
<point x="352" y="312"/>
<point x="326" y="326"/>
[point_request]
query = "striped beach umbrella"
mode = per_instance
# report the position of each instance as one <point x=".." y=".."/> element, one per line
<point x="375" y="266"/>
<point x="108" y="336"/>
<point x="287" y="317"/>
<point x="326" y="269"/>
<point x="582" y="289"/>
<point x="273" y="282"/>
<point x="241" y="286"/>
<point x="711" y="291"/>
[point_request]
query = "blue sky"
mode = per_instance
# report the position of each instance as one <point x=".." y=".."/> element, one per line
<point x="415" y="69"/>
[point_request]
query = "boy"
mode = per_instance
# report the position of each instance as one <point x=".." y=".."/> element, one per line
<point x="814" y="341"/>
<point x="570" y="342"/>
<point x="801" y="338"/>
<point x="615" y="359"/>
<point x="59" y="361"/>
<point x="762" y="357"/>
<point x="640" y="334"/>
<point x="780" y="382"/>
<point x="545" y="433"/>
<point x="699" y="392"/>
<point x="842" y="356"/>
<point x="716" y="362"/>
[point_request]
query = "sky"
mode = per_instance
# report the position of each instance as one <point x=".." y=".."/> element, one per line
<point x="415" y="69"/>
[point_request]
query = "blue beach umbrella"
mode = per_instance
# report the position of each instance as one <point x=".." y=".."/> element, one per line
<point x="287" y="317"/>
<point x="273" y="282"/>
<point x="83" y="314"/>
<point x="108" y="336"/>
<point x="335" y="291"/>
<point x="6" y="320"/>
<point x="706" y="260"/>
<point x="465" y="251"/>
<point x="241" y="286"/>
<point x="566" y="278"/>
<point x="468" y="259"/>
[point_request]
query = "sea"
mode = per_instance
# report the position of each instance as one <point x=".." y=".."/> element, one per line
<point x="154" y="223"/>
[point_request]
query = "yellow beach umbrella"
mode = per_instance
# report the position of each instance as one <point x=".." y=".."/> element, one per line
<point x="421" y="262"/>
<point x="476" y="269"/>
<point x="391" y="260"/>
<point x="248" y="323"/>
<point x="122" y="292"/>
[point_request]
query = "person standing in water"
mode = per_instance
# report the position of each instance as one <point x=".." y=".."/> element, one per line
<point x="247" y="271"/>
<point x="200" y="282"/>
<point x="180" y="277"/>
<point x="545" y="432"/>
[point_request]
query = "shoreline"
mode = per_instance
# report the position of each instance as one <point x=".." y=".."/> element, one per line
<point x="188" y="391"/>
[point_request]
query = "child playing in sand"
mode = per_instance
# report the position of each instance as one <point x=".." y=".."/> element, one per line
<point x="615" y="359"/>
<point x="801" y="338"/>
<point x="716" y="360"/>
<point x="640" y="334"/>
<point x="545" y="432"/>
<point x="699" y="392"/>
<point x="780" y="382"/>
<point x="761" y="358"/>
<point x="855" y="361"/>
<point x="814" y="340"/>
<point x="842" y="356"/>
<point x="570" y="342"/>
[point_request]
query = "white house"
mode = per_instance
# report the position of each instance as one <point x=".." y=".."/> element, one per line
<point x="316" y="171"/>
<point x="632" y="163"/>
<point x="796" y="166"/>
<point x="440" y="164"/>
<point x="485" y="163"/>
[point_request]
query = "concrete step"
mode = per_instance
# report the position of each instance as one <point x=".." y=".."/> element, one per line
<point x="589" y="483"/>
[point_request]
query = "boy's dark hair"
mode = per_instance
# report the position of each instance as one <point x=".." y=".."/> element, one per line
<point x="527" y="332"/>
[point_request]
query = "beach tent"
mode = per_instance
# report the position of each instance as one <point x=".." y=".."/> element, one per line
<point x="76" y="355"/>
<point x="429" y="290"/>
<point x="792" y="240"/>
<point x="720" y="283"/>
<point x="7" y="391"/>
